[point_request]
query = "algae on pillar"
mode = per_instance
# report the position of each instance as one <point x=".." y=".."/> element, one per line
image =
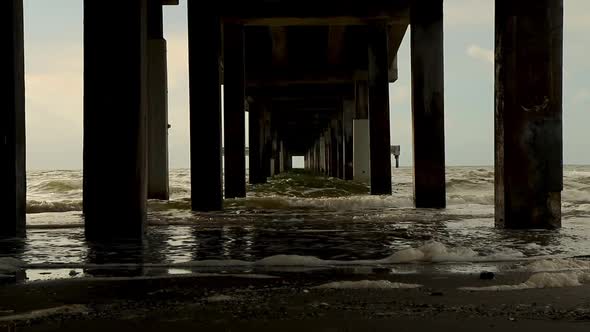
<point x="12" y="122"/>
<point x="529" y="146"/>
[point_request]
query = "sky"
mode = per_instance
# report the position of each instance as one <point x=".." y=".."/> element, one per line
<point x="54" y="69"/>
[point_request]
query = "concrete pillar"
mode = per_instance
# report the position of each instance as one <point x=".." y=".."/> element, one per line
<point x="288" y="158"/>
<point x="12" y="122"/>
<point x="360" y="135"/>
<point x="336" y="163"/>
<point x="276" y="154"/>
<point x="428" y="104"/>
<point x="282" y="157"/>
<point x="322" y="151"/>
<point x="330" y="159"/>
<point x="115" y="120"/>
<point x="314" y="157"/>
<point x="267" y="145"/>
<point x="380" y="142"/>
<point x="256" y="139"/>
<point x="234" y="111"/>
<point x="313" y="161"/>
<point x="158" y="183"/>
<point x="347" y="127"/>
<point x="317" y="156"/>
<point x="529" y="147"/>
<point x="204" y="41"/>
<point x="396" y="149"/>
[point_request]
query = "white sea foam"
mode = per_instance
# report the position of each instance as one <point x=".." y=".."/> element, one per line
<point x="541" y="280"/>
<point x="431" y="251"/>
<point x="34" y="206"/>
<point x="548" y="265"/>
<point x="367" y="284"/>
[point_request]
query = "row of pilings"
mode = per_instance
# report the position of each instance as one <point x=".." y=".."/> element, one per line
<point x="125" y="119"/>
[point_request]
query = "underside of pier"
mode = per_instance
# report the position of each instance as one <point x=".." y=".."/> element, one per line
<point x="315" y="78"/>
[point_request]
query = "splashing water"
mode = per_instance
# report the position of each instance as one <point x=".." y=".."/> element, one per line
<point x="299" y="216"/>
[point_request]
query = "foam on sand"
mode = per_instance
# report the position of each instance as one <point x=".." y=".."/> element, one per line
<point x="75" y="309"/>
<point x="367" y="284"/>
<point x="541" y="280"/>
<point x="10" y="265"/>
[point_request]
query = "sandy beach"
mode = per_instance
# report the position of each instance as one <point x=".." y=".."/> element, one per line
<point x="291" y="302"/>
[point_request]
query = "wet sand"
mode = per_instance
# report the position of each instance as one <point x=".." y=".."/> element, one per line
<point x="289" y="302"/>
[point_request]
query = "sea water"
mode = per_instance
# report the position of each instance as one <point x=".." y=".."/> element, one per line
<point x="303" y="220"/>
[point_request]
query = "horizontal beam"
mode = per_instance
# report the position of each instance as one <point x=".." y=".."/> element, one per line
<point x="313" y="12"/>
<point x="301" y="91"/>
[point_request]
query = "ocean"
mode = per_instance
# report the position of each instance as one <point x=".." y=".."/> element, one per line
<point x="302" y="221"/>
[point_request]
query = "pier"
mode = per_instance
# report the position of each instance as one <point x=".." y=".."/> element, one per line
<point x="314" y="77"/>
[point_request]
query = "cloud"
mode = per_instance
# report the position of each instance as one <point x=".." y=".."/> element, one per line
<point x="480" y="53"/>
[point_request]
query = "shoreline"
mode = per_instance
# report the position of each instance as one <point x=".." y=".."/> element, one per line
<point x="291" y="302"/>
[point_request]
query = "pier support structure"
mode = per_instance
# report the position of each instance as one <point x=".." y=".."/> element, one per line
<point x="234" y="111"/>
<point x="348" y="110"/>
<point x="12" y="122"/>
<point x="204" y="39"/>
<point x="427" y="65"/>
<point x="158" y="182"/>
<point x="529" y="151"/>
<point x="115" y="120"/>
<point x="360" y="135"/>
<point x="379" y="127"/>
<point x="267" y="143"/>
<point x="256" y="143"/>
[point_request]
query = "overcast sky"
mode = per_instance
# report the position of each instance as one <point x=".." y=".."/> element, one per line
<point x="54" y="64"/>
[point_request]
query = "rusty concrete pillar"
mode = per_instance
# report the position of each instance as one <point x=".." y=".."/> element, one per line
<point x="427" y="64"/>
<point x="234" y="111"/>
<point x="380" y="141"/>
<point x="12" y="122"/>
<point x="529" y="147"/>
<point x="158" y="182"/>
<point x="115" y="120"/>
<point x="204" y="44"/>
